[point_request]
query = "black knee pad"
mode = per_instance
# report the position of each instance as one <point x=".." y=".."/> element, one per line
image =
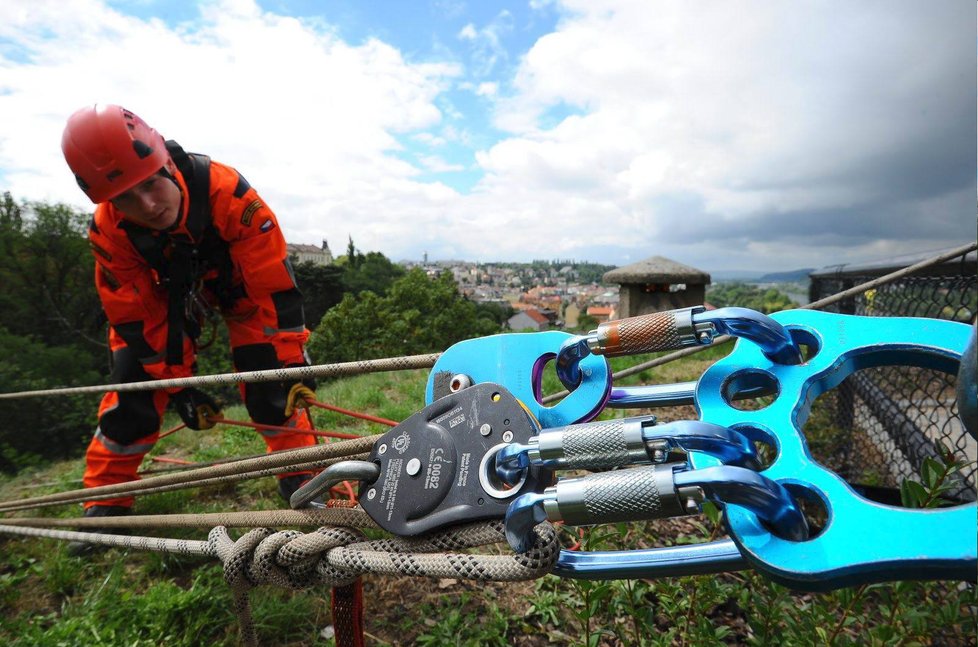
<point x="135" y="416"/>
<point x="265" y="401"/>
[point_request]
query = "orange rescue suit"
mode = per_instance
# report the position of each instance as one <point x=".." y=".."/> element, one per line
<point x="240" y="267"/>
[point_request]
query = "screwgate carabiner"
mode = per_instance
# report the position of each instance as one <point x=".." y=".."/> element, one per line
<point x="671" y="330"/>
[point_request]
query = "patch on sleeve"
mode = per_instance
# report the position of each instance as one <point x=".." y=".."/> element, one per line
<point x="249" y="212"/>
<point x="268" y="225"/>
<point x="109" y="277"/>
<point x="99" y="250"/>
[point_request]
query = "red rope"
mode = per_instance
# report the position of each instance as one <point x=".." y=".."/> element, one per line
<point x="353" y="414"/>
<point x="170" y="431"/>
<point x="175" y="461"/>
<point x="255" y="425"/>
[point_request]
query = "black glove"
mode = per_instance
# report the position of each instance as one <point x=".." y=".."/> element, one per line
<point x="196" y="408"/>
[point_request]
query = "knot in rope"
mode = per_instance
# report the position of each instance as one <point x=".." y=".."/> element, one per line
<point x="337" y="556"/>
<point x="290" y="559"/>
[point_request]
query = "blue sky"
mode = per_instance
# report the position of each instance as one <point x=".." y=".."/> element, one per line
<point x="726" y="135"/>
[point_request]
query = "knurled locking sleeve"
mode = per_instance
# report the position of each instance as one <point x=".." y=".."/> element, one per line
<point x="594" y="444"/>
<point x="623" y="495"/>
<point x="649" y="333"/>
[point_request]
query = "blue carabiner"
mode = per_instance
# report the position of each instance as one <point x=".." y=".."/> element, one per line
<point x="517" y="360"/>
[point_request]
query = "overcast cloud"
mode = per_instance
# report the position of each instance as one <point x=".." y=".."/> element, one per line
<point x="753" y="135"/>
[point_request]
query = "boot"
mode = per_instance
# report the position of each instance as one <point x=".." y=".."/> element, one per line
<point x="86" y="549"/>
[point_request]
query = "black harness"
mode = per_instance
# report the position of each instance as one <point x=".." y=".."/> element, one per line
<point x="190" y="257"/>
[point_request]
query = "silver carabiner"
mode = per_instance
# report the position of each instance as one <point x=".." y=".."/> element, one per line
<point x="624" y="441"/>
<point x="335" y="473"/>
<point x="654" y="492"/>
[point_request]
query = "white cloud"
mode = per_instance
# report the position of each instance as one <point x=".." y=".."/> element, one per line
<point x="308" y="118"/>
<point x="436" y="164"/>
<point x="487" y="89"/>
<point x="743" y="134"/>
<point x="487" y="43"/>
<point x="742" y="119"/>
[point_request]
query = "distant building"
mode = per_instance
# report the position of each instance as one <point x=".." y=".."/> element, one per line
<point x="601" y="313"/>
<point x="310" y="254"/>
<point x="571" y="314"/>
<point x="531" y="319"/>
<point x="657" y="284"/>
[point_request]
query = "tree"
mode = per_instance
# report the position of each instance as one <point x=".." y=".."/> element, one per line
<point x="373" y="271"/>
<point x="321" y="287"/>
<point x="55" y="426"/>
<point x="418" y="315"/>
<point x="749" y="296"/>
<point x="46" y="272"/>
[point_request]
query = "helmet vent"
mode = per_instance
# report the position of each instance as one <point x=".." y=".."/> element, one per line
<point x="142" y="150"/>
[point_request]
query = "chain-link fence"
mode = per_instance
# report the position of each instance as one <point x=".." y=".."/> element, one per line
<point x="877" y="427"/>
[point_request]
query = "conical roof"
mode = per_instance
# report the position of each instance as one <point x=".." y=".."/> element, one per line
<point x="656" y="269"/>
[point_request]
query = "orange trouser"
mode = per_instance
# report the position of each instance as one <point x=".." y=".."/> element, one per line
<point x="129" y="422"/>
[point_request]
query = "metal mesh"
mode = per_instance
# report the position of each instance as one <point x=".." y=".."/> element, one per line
<point x="877" y="427"/>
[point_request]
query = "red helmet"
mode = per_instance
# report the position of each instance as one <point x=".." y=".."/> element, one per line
<point x="110" y="150"/>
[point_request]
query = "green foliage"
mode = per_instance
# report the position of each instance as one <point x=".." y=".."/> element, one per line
<point x="496" y="313"/>
<point x="418" y="315"/>
<point x="743" y="295"/>
<point x="321" y="287"/>
<point x="372" y="272"/>
<point x="56" y="426"/>
<point x="935" y="481"/>
<point x="586" y="323"/>
<point x="46" y="273"/>
<point x="464" y="622"/>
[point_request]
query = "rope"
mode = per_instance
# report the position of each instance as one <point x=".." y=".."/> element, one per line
<point x="335" y="556"/>
<point x="817" y="305"/>
<point x="310" y="517"/>
<point x="315" y="457"/>
<point x="297" y="374"/>
<point x="353" y="414"/>
<point x="263" y="427"/>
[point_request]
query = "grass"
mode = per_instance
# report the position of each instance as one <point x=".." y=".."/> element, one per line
<point x="136" y="599"/>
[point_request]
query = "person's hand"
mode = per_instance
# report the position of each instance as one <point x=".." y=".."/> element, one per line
<point x="196" y="408"/>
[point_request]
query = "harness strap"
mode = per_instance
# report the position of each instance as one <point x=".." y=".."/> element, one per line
<point x="179" y="272"/>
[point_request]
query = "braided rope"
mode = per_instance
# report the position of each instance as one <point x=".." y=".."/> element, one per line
<point x="154" y="544"/>
<point x="314" y="457"/>
<point x="352" y="517"/>
<point x="297" y="373"/>
<point x="332" y="556"/>
<point x="338" y="556"/>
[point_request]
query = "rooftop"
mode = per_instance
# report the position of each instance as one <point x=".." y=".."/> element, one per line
<point x="656" y="269"/>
